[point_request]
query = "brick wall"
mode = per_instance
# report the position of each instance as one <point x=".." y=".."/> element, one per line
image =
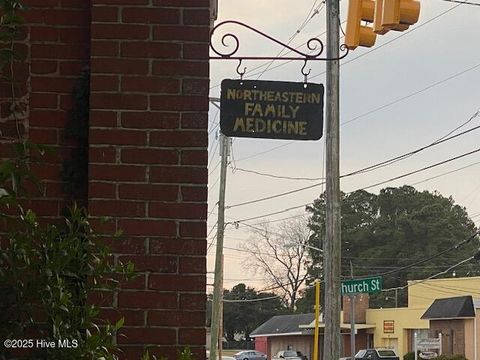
<point x="54" y="45"/>
<point x="453" y="335"/>
<point x="148" y="163"/>
<point x="362" y="303"/>
<point x="147" y="148"/>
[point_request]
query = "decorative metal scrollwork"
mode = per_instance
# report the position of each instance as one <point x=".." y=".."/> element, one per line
<point x="313" y="44"/>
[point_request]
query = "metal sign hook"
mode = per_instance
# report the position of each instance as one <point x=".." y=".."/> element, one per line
<point x="304" y="73"/>
<point x="241" y="73"/>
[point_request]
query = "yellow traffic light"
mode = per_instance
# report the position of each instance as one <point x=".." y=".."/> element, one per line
<point x="399" y="14"/>
<point x="357" y="34"/>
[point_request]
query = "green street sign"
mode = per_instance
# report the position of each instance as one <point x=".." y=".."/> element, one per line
<point x="369" y="285"/>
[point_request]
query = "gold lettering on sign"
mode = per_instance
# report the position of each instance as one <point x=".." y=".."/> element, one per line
<point x="273" y="112"/>
<point x="274" y="96"/>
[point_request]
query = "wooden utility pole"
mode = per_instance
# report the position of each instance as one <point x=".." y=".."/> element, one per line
<point x="218" y="279"/>
<point x="332" y="248"/>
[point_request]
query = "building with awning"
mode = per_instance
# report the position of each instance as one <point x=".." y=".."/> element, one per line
<point x="457" y="319"/>
<point x="448" y="306"/>
<point x="296" y="332"/>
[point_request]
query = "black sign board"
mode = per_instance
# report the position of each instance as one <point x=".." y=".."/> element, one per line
<point x="271" y="109"/>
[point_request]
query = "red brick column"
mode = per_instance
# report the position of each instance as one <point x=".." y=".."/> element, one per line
<point x="148" y="164"/>
<point x="54" y="48"/>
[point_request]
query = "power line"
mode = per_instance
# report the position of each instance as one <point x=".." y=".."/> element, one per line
<point x="265" y="152"/>
<point x="454" y="247"/>
<point x="211" y="211"/>
<point x="370" y="168"/>
<point x="431" y="277"/>
<point x="418" y="26"/>
<point x="364" y="188"/>
<point x="462" y="2"/>
<point x="446" y="173"/>
<point x="422" y="169"/>
<point x="215" y="168"/>
<point x="396" y="101"/>
<point x="213" y="153"/>
<point x="378" y="165"/>
<point x="273" y="197"/>
<point x="251" y="300"/>
<point x="276" y="176"/>
<point x="284" y="62"/>
<point x="407" y="267"/>
<point x="389" y="104"/>
<point x="367" y="52"/>
<point x="376" y="109"/>
<point x="299" y="30"/>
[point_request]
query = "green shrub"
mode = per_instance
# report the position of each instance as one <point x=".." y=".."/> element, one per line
<point x="451" y="357"/>
<point x="411" y="356"/>
<point x="47" y="271"/>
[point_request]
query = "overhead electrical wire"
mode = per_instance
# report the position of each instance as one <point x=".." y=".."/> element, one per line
<point x="249" y="74"/>
<point x="377" y="47"/>
<point x="446" y="173"/>
<point x="374" y="110"/>
<point x="422" y="169"/>
<point x="396" y="101"/>
<point x="276" y="176"/>
<point x="344" y="62"/>
<point x="250" y="300"/>
<point x="422" y="261"/>
<point x="363" y="188"/>
<point x="372" y="167"/>
<point x="265" y="152"/>
<point x="415" y="183"/>
<point x="463" y="2"/>
<point x="305" y="23"/>
<point x="213" y="153"/>
<point x="409" y="266"/>
<point x="431" y="277"/>
<point x="368" y="168"/>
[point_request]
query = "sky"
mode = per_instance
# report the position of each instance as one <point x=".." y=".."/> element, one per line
<point x="406" y="92"/>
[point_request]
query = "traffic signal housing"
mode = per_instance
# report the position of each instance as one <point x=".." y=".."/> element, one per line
<point x="399" y="14"/>
<point x="386" y="15"/>
<point x="356" y="33"/>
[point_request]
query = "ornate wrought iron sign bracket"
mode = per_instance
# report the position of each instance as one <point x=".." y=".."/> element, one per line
<point x="314" y="45"/>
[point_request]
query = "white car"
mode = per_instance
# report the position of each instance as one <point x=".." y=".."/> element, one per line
<point x="223" y="356"/>
<point x="250" y="355"/>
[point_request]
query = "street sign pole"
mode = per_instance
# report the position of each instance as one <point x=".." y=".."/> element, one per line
<point x="332" y="249"/>
<point x="352" y="327"/>
<point x="415" y="345"/>
<point x="352" y="320"/>
<point x="317" y="315"/>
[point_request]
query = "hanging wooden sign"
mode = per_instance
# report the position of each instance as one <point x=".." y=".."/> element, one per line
<point x="271" y="109"/>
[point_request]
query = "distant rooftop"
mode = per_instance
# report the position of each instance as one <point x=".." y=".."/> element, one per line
<point x="460" y="307"/>
<point x="283" y="325"/>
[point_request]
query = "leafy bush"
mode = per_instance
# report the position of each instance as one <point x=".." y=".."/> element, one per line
<point x="411" y="356"/>
<point x="451" y="357"/>
<point x="47" y="272"/>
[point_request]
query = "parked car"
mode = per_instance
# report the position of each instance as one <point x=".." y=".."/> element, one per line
<point x="223" y="356"/>
<point x="300" y="355"/>
<point x="376" y="354"/>
<point x="250" y="355"/>
<point x="287" y="355"/>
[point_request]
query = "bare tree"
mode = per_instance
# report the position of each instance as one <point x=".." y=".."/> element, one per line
<point x="278" y="253"/>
